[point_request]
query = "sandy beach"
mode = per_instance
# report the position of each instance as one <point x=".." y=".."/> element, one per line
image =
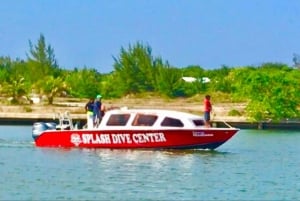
<point x="76" y="108"/>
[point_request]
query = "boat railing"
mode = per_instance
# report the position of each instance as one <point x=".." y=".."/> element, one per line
<point x="65" y="121"/>
<point x="221" y="124"/>
<point x="227" y="124"/>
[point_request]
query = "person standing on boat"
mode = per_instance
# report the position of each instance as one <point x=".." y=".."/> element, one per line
<point x="89" y="107"/>
<point x="97" y="110"/>
<point x="207" y="110"/>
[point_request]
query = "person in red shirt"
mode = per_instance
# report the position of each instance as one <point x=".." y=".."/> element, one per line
<point x="207" y="110"/>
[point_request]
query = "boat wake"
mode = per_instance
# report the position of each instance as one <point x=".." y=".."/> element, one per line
<point x="196" y="152"/>
<point x="15" y="143"/>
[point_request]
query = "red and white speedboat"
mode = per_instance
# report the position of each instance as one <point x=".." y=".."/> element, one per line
<point x="135" y="128"/>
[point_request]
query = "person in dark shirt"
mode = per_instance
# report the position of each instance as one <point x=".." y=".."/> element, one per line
<point x="97" y="110"/>
<point x="89" y="112"/>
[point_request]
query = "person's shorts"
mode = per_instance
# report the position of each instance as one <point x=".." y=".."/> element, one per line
<point x="206" y="116"/>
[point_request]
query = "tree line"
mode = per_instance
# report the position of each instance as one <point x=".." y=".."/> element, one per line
<point x="270" y="90"/>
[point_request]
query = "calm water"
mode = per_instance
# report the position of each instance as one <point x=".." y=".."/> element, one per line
<point x="254" y="165"/>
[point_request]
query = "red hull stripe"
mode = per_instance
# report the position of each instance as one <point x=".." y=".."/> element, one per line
<point x="164" y="139"/>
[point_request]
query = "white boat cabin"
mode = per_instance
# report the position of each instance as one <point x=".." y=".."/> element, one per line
<point x="146" y="118"/>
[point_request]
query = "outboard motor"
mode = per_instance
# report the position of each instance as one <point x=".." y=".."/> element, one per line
<point x="40" y="127"/>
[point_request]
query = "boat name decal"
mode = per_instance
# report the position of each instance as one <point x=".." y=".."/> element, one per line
<point x="202" y="134"/>
<point x="117" y="138"/>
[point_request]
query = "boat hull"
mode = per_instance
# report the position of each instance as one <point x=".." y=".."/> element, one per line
<point x="136" y="139"/>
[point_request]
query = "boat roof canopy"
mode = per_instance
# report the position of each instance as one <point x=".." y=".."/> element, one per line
<point x="151" y="117"/>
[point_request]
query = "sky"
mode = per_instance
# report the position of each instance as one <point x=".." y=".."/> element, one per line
<point x="208" y="33"/>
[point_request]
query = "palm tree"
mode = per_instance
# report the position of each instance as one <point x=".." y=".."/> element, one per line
<point x="51" y="87"/>
<point x="15" y="89"/>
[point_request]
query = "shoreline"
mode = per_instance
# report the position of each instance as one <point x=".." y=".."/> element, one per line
<point x="25" y="121"/>
<point x="29" y="114"/>
<point x="28" y="119"/>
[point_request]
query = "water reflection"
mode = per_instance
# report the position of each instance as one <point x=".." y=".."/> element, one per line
<point x="138" y="153"/>
<point x="153" y="159"/>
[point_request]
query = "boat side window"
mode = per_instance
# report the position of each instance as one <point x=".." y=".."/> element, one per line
<point x="144" y="120"/>
<point x="198" y="122"/>
<point x="171" y="122"/>
<point x="118" y="120"/>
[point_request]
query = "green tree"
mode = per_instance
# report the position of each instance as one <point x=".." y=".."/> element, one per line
<point x="15" y="80"/>
<point x="16" y="88"/>
<point x="5" y="66"/>
<point x="135" y="69"/>
<point x="241" y="81"/>
<point x="193" y="71"/>
<point x="192" y="88"/>
<point x="51" y="87"/>
<point x="273" y="94"/>
<point x="169" y="81"/>
<point x="84" y="83"/>
<point x="110" y="87"/>
<point x="220" y="82"/>
<point x="41" y="59"/>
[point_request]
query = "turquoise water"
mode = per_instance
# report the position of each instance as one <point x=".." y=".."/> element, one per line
<point x="253" y="165"/>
